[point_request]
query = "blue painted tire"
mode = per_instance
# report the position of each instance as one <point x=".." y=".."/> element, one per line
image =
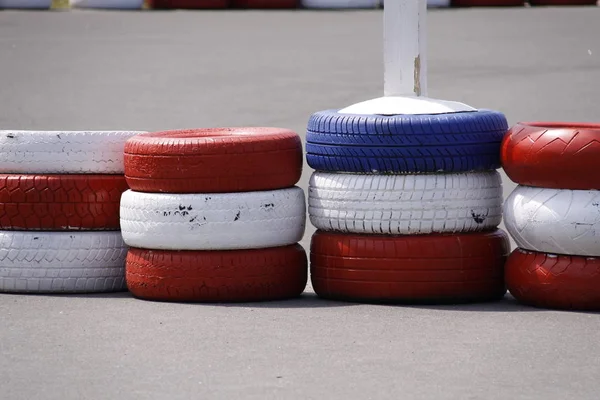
<point x="454" y="142"/>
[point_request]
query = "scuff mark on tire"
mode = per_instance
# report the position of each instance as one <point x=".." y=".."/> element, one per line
<point x="478" y="218"/>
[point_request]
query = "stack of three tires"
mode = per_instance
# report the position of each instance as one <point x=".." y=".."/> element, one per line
<point x="59" y="211"/>
<point x="213" y="215"/>
<point x="407" y="207"/>
<point x="554" y="214"/>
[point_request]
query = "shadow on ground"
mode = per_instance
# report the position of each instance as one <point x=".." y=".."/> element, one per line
<point x="507" y="304"/>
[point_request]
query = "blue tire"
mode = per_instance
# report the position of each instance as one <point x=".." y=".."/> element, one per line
<point x="454" y="142"/>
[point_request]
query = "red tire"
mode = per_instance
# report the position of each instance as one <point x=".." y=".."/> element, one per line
<point x="556" y="155"/>
<point x="217" y="276"/>
<point x="263" y="4"/>
<point x="188" y="4"/>
<point x="60" y="202"/>
<point x="218" y="160"/>
<point x="421" y="268"/>
<point x="554" y="281"/>
<point x="563" y="2"/>
<point x="487" y="3"/>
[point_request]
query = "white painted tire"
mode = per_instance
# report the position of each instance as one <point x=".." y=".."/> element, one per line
<point x="108" y="4"/>
<point x="554" y="220"/>
<point x="63" y="152"/>
<point x="62" y="262"/>
<point x="344" y="4"/>
<point x="213" y="221"/>
<point x="405" y="204"/>
<point x="26" y="4"/>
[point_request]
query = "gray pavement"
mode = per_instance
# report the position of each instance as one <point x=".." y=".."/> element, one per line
<point x="163" y="70"/>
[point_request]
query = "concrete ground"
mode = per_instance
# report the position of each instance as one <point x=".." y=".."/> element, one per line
<point x="97" y="70"/>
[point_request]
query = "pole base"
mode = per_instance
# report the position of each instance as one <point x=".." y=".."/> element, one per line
<point x="394" y="105"/>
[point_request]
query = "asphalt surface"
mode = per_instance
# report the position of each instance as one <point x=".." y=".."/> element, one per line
<point x="97" y="70"/>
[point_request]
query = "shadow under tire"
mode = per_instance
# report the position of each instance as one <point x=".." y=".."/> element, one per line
<point x="443" y="268"/>
<point x="554" y="281"/>
<point x="217" y="276"/>
<point x="455" y="142"/>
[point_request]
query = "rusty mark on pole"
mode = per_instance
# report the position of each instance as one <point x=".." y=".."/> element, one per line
<point x="417" y="87"/>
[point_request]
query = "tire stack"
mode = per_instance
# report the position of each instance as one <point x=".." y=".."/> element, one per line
<point x="59" y="211"/>
<point x="407" y="207"/>
<point x="554" y="214"/>
<point x="212" y="215"/>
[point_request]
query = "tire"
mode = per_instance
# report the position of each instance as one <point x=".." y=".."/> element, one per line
<point x="62" y="262"/>
<point x="62" y="152"/>
<point x="212" y="221"/>
<point x="563" y="2"/>
<point x="26" y="4"/>
<point x="108" y="4"/>
<point x="221" y="160"/>
<point x="552" y="155"/>
<point x="60" y="202"/>
<point x="456" y="142"/>
<point x="217" y="276"/>
<point x="554" y="221"/>
<point x="488" y="3"/>
<point x="405" y="204"/>
<point x="554" y="281"/>
<point x="421" y="269"/>
<point x="188" y="4"/>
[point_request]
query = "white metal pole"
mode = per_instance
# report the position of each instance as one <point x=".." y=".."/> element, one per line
<point x="405" y="47"/>
<point x="405" y="66"/>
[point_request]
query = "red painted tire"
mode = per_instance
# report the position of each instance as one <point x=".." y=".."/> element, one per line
<point x="556" y="155"/>
<point x="563" y="2"/>
<point x="263" y="4"/>
<point x="487" y="3"/>
<point x="217" y="276"/>
<point x="420" y="269"/>
<point x="554" y="281"/>
<point x="218" y="160"/>
<point x="188" y="4"/>
<point x="60" y="202"/>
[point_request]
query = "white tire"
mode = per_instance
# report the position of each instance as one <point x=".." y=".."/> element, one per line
<point x="405" y="204"/>
<point x="63" y="152"/>
<point x="108" y="4"/>
<point x="213" y="221"/>
<point x="554" y="221"/>
<point x="62" y="262"/>
<point x="344" y="4"/>
<point x="26" y="4"/>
